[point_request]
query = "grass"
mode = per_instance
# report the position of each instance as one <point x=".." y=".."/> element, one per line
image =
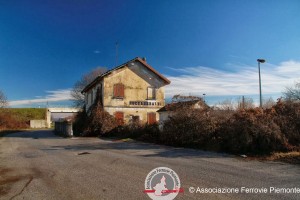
<point x="292" y="157"/>
<point x="13" y="119"/>
<point x="26" y="114"/>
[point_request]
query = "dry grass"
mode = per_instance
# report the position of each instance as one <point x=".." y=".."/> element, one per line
<point x="292" y="157"/>
<point x="289" y="157"/>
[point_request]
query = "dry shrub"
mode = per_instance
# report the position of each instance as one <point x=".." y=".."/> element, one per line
<point x="251" y="132"/>
<point x="97" y="122"/>
<point x="190" y="128"/>
<point x="80" y="123"/>
<point x="100" y="122"/>
<point x="287" y="116"/>
<point x="9" y="121"/>
<point x="143" y="132"/>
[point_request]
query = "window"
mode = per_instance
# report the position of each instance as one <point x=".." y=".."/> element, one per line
<point x="151" y="93"/>
<point x="119" y="118"/>
<point x="136" y="119"/>
<point x="119" y="90"/>
<point x="151" y="118"/>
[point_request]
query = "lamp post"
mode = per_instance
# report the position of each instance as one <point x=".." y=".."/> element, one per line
<point x="260" y="96"/>
<point x="204" y="98"/>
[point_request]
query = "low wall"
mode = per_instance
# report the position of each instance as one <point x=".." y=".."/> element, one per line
<point x="63" y="128"/>
<point x="38" y="124"/>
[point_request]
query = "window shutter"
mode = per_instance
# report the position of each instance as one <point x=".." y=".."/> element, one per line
<point x="119" y="118"/>
<point x="115" y="90"/>
<point x="119" y="90"/>
<point x="151" y="118"/>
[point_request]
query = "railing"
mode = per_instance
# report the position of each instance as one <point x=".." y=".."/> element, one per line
<point x="146" y="103"/>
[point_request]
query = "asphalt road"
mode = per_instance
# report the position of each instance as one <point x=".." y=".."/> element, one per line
<point x="40" y="165"/>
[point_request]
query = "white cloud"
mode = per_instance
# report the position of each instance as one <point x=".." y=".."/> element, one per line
<point x="213" y="82"/>
<point x="243" y="81"/>
<point x="53" y="96"/>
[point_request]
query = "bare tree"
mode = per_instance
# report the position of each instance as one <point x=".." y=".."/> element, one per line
<point x="245" y="103"/>
<point x="268" y="103"/>
<point x="86" y="79"/>
<point x="227" y="104"/>
<point x="238" y="104"/>
<point x="3" y="100"/>
<point x="292" y="93"/>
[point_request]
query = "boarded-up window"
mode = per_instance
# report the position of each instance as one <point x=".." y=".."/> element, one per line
<point x="119" y="90"/>
<point x="151" y="94"/>
<point x="119" y="118"/>
<point x="151" y="118"/>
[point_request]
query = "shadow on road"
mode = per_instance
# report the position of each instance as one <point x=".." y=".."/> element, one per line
<point x="34" y="134"/>
<point x="93" y="144"/>
<point x="142" y="149"/>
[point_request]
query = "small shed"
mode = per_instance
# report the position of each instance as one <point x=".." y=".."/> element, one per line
<point x="169" y="109"/>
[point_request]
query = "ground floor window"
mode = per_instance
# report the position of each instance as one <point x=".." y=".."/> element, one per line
<point x="136" y="119"/>
<point x="119" y="118"/>
<point x="151" y="118"/>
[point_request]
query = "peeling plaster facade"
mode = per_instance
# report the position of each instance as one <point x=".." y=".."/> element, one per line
<point x="143" y="91"/>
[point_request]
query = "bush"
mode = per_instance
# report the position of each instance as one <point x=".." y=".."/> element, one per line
<point x="145" y="132"/>
<point x="251" y="132"/>
<point x="287" y="116"/>
<point x="189" y="128"/>
<point x="80" y="123"/>
<point x="9" y="121"/>
<point x="98" y="122"/>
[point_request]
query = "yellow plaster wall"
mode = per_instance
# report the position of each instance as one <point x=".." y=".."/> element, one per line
<point x="135" y="87"/>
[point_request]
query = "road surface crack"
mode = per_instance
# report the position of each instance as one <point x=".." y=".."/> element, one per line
<point x="25" y="186"/>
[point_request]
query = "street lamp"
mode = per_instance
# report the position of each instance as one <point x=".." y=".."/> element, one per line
<point x="204" y="97"/>
<point x="260" y="97"/>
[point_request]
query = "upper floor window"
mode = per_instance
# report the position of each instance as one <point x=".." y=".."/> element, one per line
<point x="119" y="90"/>
<point x="151" y="93"/>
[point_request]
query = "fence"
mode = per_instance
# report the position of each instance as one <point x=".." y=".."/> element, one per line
<point x="63" y="128"/>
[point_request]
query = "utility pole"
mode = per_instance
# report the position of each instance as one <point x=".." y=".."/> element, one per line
<point x="260" y="96"/>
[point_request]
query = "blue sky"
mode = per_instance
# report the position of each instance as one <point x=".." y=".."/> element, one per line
<point x="202" y="46"/>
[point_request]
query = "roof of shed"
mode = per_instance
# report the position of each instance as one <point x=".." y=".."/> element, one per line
<point x="182" y="104"/>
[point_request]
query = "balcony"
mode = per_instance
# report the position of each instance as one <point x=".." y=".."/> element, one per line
<point x="151" y="103"/>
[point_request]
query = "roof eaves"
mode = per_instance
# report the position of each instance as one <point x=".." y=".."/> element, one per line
<point x="91" y="84"/>
<point x="121" y="66"/>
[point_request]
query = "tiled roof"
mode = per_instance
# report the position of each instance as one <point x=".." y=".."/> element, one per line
<point x="182" y="104"/>
<point x="167" y="81"/>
